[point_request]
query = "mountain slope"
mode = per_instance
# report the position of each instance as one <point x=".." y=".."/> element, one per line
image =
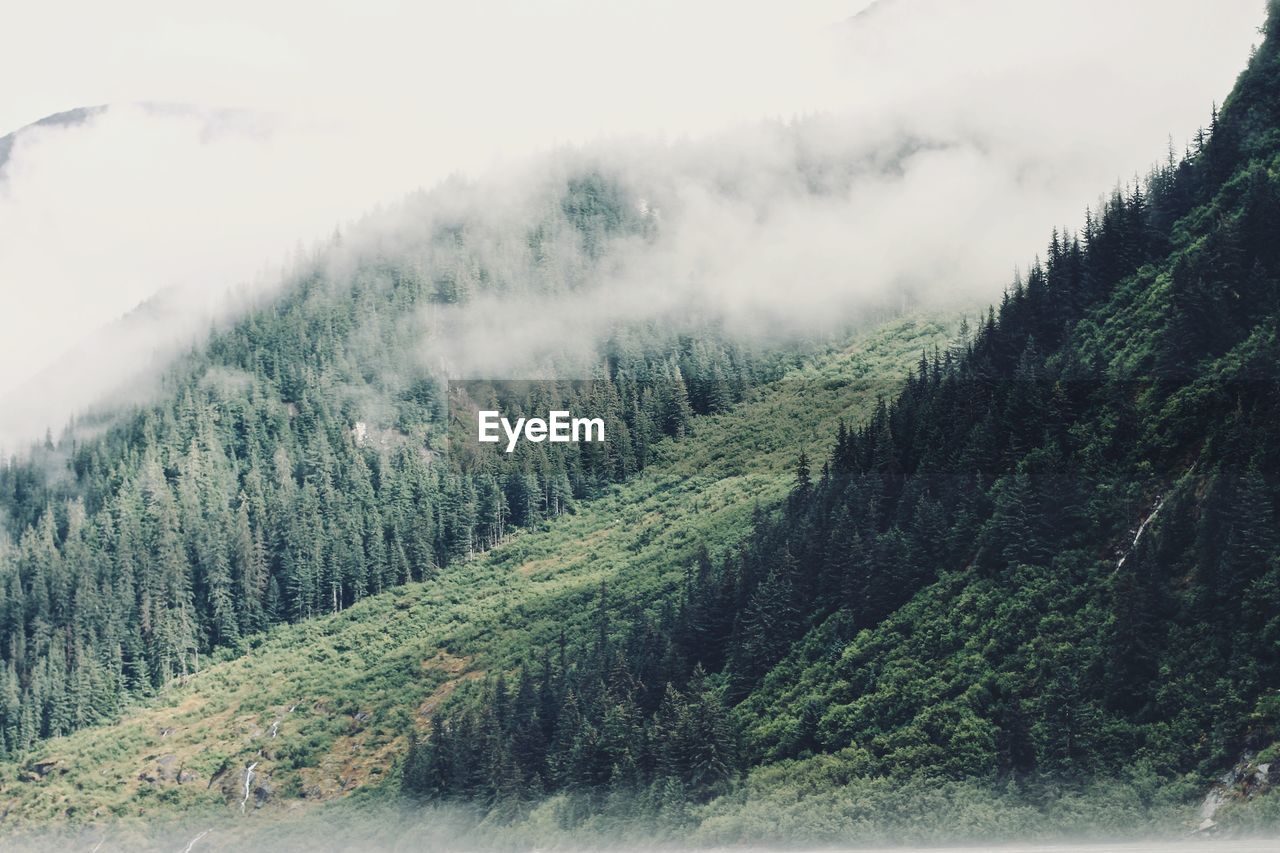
<point x="1050" y="563"/>
<point x="294" y="463"/>
<point x="1033" y="587"/>
<point x="1104" y="597"/>
<point x="346" y="689"/>
<point x="1114" y="601"/>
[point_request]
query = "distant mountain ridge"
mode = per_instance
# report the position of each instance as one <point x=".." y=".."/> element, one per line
<point x="66" y="118"/>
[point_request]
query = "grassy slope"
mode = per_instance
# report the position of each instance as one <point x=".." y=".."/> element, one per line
<point x="344" y="688"/>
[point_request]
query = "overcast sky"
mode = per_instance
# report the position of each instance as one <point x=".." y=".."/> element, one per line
<point x="310" y="113"/>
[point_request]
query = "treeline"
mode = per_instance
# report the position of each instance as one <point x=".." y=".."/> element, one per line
<point x="297" y="465"/>
<point x="960" y="589"/>
<point x="620" y="724"/>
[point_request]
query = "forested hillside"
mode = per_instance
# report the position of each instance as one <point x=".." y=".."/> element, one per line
<point x="1050" y="557"/>
<point x="297" y="463"/>
<point x="1015" y="574"/>
<point x="325" y="707"/>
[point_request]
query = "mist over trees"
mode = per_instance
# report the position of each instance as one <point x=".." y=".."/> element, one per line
<point x="300" y="464"/>
<point x="1051" y="556"/>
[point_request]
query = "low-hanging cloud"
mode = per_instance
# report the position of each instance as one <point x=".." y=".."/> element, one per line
<point x="921" y="148"/>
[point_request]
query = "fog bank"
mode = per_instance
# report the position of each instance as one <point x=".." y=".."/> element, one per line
<point x="919" y="146"/>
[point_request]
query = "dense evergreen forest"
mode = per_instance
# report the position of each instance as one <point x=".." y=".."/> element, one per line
<point x="1051" y="554"/>
<point x="299" y="464"/>
<point x="1045" y="556"/>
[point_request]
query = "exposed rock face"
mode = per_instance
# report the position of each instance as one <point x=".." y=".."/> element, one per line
<point x="40" y="769"/>
<point x="43" y="768"/>
<point x="1241" y="783"/>
<point x="166" y="769"/>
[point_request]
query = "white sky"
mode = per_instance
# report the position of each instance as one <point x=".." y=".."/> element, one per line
<point x="347" y="105"/>
<point x="528" y="69"/>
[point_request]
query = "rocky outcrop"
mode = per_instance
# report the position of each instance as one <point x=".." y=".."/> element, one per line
<point x="1244" y="781"/>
